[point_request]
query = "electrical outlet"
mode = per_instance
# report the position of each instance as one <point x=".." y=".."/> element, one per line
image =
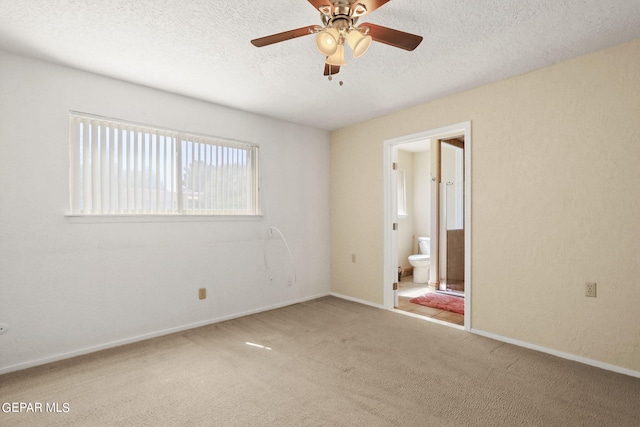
<point x="3" y="328"/>
<point x="590" y="289"/>
<point x="353" y="258"/>
<point x="202" y="293"/>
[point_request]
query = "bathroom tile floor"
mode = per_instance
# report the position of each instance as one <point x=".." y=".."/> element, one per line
<point x="408" y="290"/>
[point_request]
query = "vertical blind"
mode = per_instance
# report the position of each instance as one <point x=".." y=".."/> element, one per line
<point x="123" y="168"/>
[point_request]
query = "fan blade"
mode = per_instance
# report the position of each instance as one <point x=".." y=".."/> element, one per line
<point x="286" y="35"/>
<point x="371" y="5"/>
<point x="393" y="37"/>
<point x="330" y="70"/>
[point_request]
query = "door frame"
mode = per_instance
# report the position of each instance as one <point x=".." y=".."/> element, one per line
<point x="391" y="211"/>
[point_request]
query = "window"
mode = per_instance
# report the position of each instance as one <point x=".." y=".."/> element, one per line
<point x="124" y="168"/>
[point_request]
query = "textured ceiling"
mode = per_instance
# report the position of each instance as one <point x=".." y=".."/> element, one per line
<point x="200" y="48"/>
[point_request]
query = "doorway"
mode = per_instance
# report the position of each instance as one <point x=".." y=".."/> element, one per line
<point x="449" y="219"/>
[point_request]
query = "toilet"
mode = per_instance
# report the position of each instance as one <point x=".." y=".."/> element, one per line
<point x="421" y="261"/>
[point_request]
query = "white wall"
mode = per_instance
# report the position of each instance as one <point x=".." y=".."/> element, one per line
<point x="69" y="286"/>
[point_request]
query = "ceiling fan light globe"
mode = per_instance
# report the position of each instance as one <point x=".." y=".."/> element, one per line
<point x="359" y="43"/>
<point x="327" y="41"/>
<point x="338" y="57"/>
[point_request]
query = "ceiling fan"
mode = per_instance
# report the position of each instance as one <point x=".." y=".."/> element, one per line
<point x="339" y="24"/>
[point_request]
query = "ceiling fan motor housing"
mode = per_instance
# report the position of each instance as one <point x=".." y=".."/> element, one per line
<point x="343" y="17"/>
<point x="342" y="9"/>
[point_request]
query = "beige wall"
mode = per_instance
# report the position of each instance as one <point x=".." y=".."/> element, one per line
<point x="555" y="179"/>
<point x="421" y="195"/>
<point x="416" y="166"/>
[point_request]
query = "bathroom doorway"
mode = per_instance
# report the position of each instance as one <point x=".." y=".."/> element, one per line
<point x="427" y="198"/>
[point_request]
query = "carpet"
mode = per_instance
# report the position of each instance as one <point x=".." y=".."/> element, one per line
<point x="443" y="302"/>
<point x="325" y="362"/>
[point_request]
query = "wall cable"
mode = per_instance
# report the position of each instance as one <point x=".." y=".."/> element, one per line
<point x="270" y="230"/>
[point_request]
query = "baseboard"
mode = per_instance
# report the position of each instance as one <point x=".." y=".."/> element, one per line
<point x="561" y="354"/>
<point x="358" y="300"/>
<point x="137" y="338"/>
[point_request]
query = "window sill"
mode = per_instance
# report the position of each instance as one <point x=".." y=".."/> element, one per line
<point x="98" y="219"/>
